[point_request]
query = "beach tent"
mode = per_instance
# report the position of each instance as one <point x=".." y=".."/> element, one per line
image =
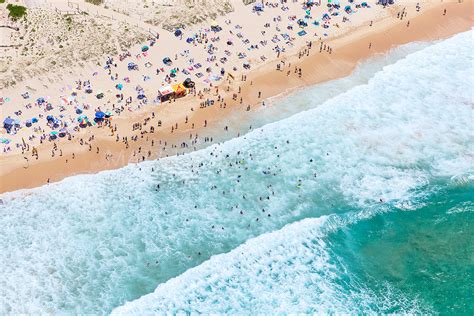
<point x="62" y="132"/>
<point x="132" y="66"/>
<point x="145" y="48"/>
<point x="258" y="7"/>
<point x="188" y="83"/>
<point x="165" y="93"/>
<point x="215" y="27"/>
<point x="167" y="61"/>
<point x="8" y="123"/>
<point x="53" y="135"/>
<point x="302" y="23"/>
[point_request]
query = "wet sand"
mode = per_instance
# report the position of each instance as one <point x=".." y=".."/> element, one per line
<point x="347" y="52"/>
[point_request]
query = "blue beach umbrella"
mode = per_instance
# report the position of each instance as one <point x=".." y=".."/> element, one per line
<point x="99" y="115"/>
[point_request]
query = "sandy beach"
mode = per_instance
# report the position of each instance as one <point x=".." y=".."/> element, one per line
<point x="186" y="124"/>
<point x="220" y="158"/>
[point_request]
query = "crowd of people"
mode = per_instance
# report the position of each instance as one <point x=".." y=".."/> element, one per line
<point x="111" y="102"/>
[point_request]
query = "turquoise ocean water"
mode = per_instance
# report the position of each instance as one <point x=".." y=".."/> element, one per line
<point x="359" y="199"/>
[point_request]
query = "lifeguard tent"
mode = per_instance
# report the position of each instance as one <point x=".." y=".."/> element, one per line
<point x="172" y="92"/>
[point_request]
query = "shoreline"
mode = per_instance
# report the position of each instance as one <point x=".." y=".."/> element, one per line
<point x="349" y="51"/>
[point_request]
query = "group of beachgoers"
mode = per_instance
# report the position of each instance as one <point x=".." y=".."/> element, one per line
<point x="177" y="76"/>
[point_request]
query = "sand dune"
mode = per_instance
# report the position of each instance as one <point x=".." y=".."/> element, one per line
<point x="49" y="40"/>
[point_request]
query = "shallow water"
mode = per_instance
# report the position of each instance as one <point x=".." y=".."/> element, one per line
<point x="349" y="173"/>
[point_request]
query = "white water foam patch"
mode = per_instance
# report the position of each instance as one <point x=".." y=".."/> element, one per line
<point x="291" y="270"/>
<point x="91" y="243"/>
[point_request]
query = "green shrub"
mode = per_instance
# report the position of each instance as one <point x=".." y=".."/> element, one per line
<point x="16" y="11"/>
<point x="96" y="2"/>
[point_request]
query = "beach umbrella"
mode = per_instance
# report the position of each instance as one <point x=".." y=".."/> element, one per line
<point x="167" y="61"/>
<point x="348" y="9"/>
<point x="189" y="40"/>
<point x="119" y="86"/>
<point x="78" y="111"/>
<point x="54" y="133"/>
<point x="62" y="132"/>
<point x="34" y="120"/>
<point x="99" y="115"/>
<point x="49" y="118"/>
<point x="82" y="118"/>
<point x="145" y="48"/>
<point x="178" y="33"/>
<point x="108" y="114"/>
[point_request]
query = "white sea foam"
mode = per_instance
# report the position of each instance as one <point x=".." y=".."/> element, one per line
<point x="91" y="243"/>
<point x="291" y="270"/>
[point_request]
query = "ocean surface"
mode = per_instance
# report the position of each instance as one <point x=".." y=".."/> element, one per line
<point x="359" y="199"/>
